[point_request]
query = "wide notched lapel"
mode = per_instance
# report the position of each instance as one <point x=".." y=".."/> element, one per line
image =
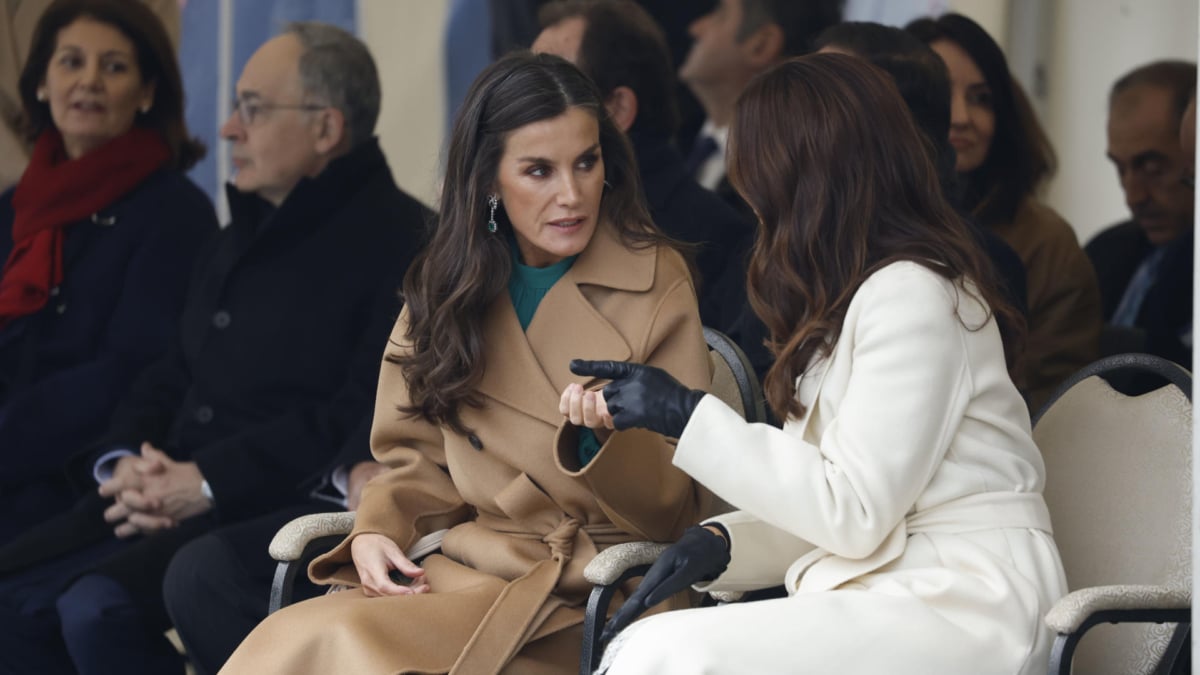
<point x="529" y="370"/>
<point x="568" y="326"/>
<point x="513" y="374"/>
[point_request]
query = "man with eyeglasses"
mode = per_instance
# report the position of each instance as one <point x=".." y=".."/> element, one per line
<point x="268" y="384"/>
<point x="1144" y="265"/>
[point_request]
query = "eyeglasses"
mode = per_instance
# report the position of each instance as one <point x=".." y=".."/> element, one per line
<point x="248" y="109"/>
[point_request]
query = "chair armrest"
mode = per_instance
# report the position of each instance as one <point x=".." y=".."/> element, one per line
<point x="1070" y="612"/>
<point x="726" y="596"/>
<point x="608" y="565"/>
<point x="291" y="539"/>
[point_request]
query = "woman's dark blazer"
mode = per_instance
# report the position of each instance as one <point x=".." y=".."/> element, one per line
<point x="125" y="276"/>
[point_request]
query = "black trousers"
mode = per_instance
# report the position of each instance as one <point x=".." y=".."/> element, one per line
<point x="218" y="586"/>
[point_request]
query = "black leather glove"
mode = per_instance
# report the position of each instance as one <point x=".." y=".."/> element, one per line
<point x="699" y="555"/>
<point x="642" y="396"/>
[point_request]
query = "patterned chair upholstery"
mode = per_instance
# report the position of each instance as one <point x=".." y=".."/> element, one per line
<point x="1119" y="489"/>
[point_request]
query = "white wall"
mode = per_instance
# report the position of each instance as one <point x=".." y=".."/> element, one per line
<point x="405" y="36"/>
<point x="1096" y="41"/>
<point x="991" y="14"/>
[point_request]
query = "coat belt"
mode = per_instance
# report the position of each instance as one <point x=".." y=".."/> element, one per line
<point x="503" y="629"/>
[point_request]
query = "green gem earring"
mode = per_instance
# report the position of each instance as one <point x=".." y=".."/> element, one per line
<point x="493" y="201"/>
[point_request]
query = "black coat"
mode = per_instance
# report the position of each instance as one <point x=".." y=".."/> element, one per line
<point x="63" y="369"/>
<point x="1166" y="312"/>
<point x="280" y="341"/>
<point x="689" y="213"/>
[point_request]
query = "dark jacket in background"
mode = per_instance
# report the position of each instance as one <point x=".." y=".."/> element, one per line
<point x="691" y="214"/>
<point x="63" y="369"/>
<point x="280" y="340"/>
<point x="1166" y="312"/>
<point x="276" y="360"/>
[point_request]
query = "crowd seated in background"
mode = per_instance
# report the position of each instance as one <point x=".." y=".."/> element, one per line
<point x="17" y="23"/>
<point x="271" y="369"/>
<point x="617" y="44"/>
<point x="98" y="239"/>
<point x="545" y="244"/>
<point x="1002" y="157"/>
<point x="172" y="394"/>
<point x="1145" y="263"/>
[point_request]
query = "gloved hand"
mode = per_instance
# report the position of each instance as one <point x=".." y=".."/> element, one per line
<point x="642" y="396"/>
<point x="699" y="555"/>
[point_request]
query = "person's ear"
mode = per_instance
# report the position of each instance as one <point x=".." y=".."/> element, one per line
<point x="622" y="106"/>
<point x="331" y="130"/>
<point x="764" y="46"/>
<point x="147" y="99"/>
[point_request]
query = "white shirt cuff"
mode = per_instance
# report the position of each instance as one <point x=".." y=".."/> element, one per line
<point x="103" y="469"/>
<point x="340" y="478"/>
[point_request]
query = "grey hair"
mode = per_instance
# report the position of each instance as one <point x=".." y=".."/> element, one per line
<point x="337" y="69"/>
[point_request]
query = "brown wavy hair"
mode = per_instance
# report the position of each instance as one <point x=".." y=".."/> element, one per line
<point x="465" y="268"/>
<point x="824" y="150"/>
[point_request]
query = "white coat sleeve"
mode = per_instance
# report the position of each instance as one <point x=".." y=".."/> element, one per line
<point x="907" y="388"/>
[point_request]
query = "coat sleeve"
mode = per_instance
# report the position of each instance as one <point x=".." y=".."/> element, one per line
<point x="632" y="476"/>
<point x="906" y="394"/>
<point x="416" y="495"/>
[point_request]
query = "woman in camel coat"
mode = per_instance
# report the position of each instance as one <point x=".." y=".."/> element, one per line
<point x="541" y="192"/>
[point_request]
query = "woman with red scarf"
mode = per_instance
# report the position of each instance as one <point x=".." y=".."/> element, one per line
<point x="97" y="237"/>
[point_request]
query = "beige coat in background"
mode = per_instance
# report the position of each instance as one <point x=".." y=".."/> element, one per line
<point x="18" y="18"/>
<point x="524" y="518"/>
<point x="1065" y="315"/>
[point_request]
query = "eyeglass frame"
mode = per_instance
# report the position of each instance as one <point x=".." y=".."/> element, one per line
<point x="247" y="115"/>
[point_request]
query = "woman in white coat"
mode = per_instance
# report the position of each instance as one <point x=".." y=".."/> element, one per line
<point x="900" y="505"/>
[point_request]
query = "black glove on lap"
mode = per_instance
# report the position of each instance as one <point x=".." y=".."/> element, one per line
<point x="699" y="555"/>
<point x="642" y="396"/>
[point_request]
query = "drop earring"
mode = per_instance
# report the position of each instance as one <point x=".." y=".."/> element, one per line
<point x="493" y="201"/>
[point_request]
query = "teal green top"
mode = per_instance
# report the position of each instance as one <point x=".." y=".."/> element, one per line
<point x="527" y="286"/>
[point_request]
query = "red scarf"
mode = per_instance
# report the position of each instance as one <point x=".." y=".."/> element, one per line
<point x="55" y="192"/>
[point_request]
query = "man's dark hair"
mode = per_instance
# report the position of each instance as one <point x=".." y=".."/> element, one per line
<point x="800" y="20"/>
<point x="1178" y="77"/>
<point x="622" y="46"/>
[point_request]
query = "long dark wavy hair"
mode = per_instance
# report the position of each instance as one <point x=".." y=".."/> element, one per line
<point x="465" y="268"/>
<point x="1021" y="156"/>
<point x="156" y="61"/>
<point x="824" y="150"/>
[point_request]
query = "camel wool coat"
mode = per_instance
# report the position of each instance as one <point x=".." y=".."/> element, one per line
<point x="507" y="589"/>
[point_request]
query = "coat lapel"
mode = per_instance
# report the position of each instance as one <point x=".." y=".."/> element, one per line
<point x="513" y="374"/>
<point x="528" y="370"/>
